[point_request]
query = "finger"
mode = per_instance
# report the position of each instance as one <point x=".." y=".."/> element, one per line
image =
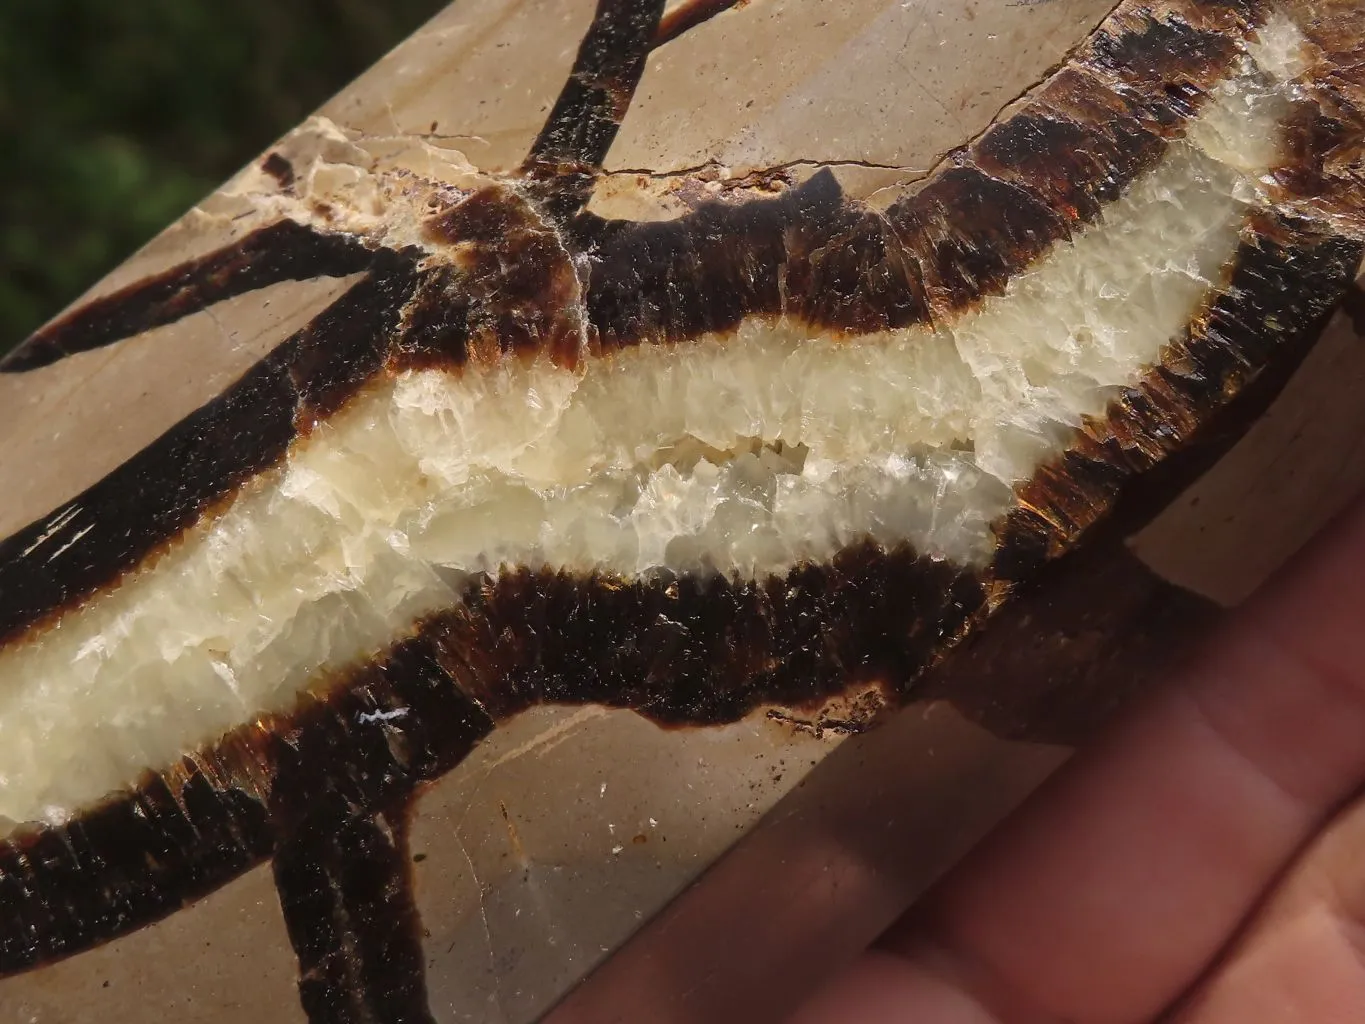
<point x="1302" y="958"/>
<point x="1111" y="891"/>
<point x="882" y="987"/>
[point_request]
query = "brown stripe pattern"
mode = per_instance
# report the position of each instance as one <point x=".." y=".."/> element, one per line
<point x="682" y="650"/>
<point x="810" y="255"/>
<point x="324" y="790"/>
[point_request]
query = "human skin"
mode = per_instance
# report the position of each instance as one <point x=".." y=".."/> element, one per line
<point x="1202" y="863"/>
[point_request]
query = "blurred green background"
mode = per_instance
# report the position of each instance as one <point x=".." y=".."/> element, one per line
<point x="118" y="115"/>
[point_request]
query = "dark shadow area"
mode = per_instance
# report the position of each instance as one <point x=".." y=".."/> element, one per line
<point x="117" y="117"/>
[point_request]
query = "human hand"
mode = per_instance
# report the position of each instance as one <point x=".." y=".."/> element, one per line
<point x="1203" y="863"/>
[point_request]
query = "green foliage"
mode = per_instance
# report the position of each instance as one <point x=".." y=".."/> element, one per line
<point x="120" y="116"/>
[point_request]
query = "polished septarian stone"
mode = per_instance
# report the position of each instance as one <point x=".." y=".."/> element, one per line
<point x="530" y="500"/>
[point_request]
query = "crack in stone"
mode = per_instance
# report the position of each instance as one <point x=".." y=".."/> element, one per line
<point x="543" y="742"/>
<point x="722" y="170"/>
<point x="493" y="973"/>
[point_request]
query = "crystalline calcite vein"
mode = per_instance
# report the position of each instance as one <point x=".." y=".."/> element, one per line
<point x="746" y="455"/>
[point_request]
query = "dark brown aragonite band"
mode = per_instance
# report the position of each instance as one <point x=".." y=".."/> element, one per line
<point x="283" y="251"/>
<point x="1287" y="277"/>
<point x="191" y="828"/>
<point x="152" y="498"/>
